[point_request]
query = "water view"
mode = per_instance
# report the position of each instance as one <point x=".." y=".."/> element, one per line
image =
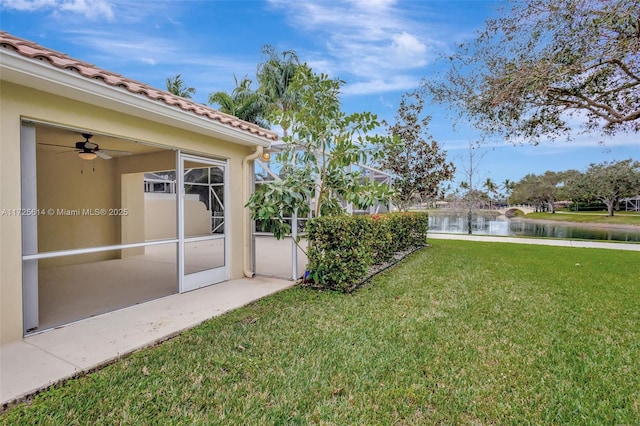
<point x="500" y="225"/>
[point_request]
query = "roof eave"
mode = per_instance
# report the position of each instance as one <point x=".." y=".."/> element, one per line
<point x="24" y="71"/>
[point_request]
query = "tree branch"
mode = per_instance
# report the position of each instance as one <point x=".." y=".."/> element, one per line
<point x="593" y="106"/>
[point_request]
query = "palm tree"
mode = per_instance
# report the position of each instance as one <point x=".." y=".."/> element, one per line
<point x="243" y="102"/>
<point x="176" y="86"/>
<point x="275" y="75"/>
<point x="507" y="186"/>
<point x="491" y="188"/>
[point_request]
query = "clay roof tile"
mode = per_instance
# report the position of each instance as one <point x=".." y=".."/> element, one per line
<point x="60" y="60"/>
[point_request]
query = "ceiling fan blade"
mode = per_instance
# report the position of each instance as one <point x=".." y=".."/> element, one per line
<point x="116" y="152"/>
<point x="59" y="146"/>
<point x="89" y="145"/>
<point x="102" y="155"/>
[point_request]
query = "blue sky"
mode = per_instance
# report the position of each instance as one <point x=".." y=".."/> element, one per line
<point x="381" y="48"/>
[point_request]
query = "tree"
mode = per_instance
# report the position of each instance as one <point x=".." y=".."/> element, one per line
<point x="608" y="182"/>
<point x="324" y="143"/>
<point x="545" y="62"/>
<point x="176" y="86"/>
<point x="275" y="75"/>
<point x="472" y="195"/>
<point x="551" y="187"/>
<point x="542" y="190"/>
<point x="272" y="95"/>
<point x="507" y="188"/>
<point x="492" y="189"/>
<point x="243" y="102"/>
<point x="528" y="191"/>
<point x="418" y="164"/>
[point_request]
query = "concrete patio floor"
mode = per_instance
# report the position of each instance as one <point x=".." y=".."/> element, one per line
<point x="41" y="360"/>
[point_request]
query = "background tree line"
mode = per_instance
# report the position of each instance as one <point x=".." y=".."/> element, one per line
<point x="600" y="184"/>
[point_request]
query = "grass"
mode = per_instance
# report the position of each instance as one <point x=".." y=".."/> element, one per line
<point x="619" y="218"/>
<point x="461" y="332"/>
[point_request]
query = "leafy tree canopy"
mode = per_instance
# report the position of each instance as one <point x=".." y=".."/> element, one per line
<point x="177" y="86"/>
<point x="324" y="142"/>
<point x="542" y="63"/>
<point x="605" y="182"/>
<point x="416" y="160"/>
<point x="608" y="182"/>
<point x="275" y="75"/>
<point x="243" y="102"/>
<point x="544" y="190"/>
<point x="272" y="95"/>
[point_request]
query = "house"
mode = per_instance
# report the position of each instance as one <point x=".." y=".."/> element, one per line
<point x="112" y="192"/>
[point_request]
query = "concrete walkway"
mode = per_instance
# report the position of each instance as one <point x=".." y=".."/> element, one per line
<point x="538" y="241"/>
<point x="38" y="361"/>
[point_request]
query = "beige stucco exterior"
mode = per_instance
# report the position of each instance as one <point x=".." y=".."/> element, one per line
<point x="18" y="103"/>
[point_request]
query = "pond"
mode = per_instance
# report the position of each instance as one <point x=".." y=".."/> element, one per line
<point x="485" y="224"/>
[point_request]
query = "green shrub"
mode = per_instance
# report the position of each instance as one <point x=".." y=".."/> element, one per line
<point x="382" y="244"/>
<point x="342" y="249"/>
<point x="339" y="253"/>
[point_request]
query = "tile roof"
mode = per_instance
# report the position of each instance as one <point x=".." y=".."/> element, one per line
<point x="36" y="52"/>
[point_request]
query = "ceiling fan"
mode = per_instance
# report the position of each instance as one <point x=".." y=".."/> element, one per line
<point x="88" y="150"/>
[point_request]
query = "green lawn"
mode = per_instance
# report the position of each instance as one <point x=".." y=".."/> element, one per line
<point x="619" y="218"/>
<point x="460" y="332"/>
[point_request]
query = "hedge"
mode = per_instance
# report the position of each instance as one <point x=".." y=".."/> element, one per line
<point x="342" y="249"/>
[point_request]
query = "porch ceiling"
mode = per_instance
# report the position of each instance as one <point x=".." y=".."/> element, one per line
<point x="60" y="136"/>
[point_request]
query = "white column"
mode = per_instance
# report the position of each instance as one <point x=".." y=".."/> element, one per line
<point x="180" y="219"/>
<point x="372" y="209"/>
<point x="294" y="246"/>
<point x="29" y="226"/>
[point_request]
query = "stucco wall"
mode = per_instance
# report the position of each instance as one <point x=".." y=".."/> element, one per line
<point x="132" y="225"/>
<point x="10" y="225"/>
<point x="70" y="187"/>
<point x="18" y="102"/>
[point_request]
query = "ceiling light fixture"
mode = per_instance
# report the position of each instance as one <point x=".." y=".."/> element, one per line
<point x="87" y="155"/>
<point x="266" y="156"/>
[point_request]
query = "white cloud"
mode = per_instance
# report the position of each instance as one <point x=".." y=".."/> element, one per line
<point x="373" y="4"/>
<point x="323" y="65"/>
<point x="401" y="82"/>
<point x="386" y="103"/>
<point x="405" y="44"/>
<point x="373" y="43"/>
<point x="28" y="5"/>
<point x="151" y="59"/>
<point x="91" y="9"/>
<point x="123" y="46"/>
